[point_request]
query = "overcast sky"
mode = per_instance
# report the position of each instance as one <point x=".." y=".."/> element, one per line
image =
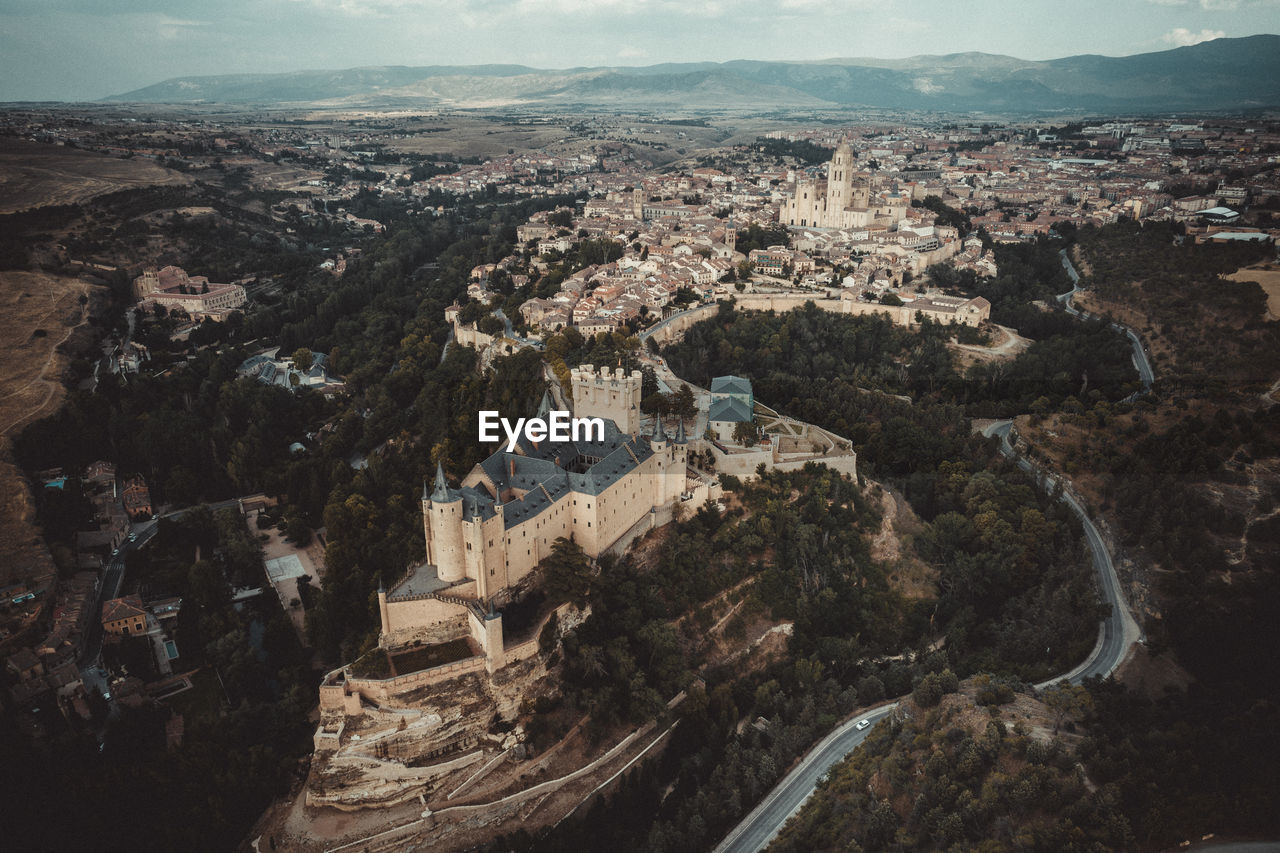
<point x="88" y="49"/>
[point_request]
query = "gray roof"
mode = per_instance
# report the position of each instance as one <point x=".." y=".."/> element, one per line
<point x="729" y="409"/>
<point x="730" y="385"/>
<point x="547" y="471"/>
<point x="421" y="580"/>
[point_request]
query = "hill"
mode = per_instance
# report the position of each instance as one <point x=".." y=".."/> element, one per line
<point x="1224" y="74"/>
<point x="951" y="774"/>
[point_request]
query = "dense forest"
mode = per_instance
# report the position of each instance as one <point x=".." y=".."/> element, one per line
<point x="1216" y="329"/>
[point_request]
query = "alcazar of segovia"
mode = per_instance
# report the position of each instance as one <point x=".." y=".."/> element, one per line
<point x="488" y="534"/>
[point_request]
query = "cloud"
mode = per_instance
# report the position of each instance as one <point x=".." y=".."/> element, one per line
<point x="632" y="53"/>
<point x="1182" y="37"/>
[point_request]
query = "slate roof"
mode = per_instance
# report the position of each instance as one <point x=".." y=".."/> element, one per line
<point x="541" y="473"/>
<point x="730" y="385"/>
<point x="729" y="409"/>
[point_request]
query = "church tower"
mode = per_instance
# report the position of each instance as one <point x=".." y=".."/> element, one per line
<point x="839" y="184"/>
<point x="637" y="204"/>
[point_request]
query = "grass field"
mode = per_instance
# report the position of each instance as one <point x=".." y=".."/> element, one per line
<point x="1269" y="279"/>
<point x="37" y="312"/>
<point x="34" y="174"/>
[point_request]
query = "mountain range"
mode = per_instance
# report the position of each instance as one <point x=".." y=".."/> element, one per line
<point x="1220" y="75"/>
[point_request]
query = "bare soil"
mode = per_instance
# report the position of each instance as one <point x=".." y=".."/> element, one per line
<point x="34" y="174"/>
<point x="37" y="313"/>
<point x="910" y="575"/>
<point x="1005" y="345"/>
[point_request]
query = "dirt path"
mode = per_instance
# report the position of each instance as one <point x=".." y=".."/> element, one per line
<point x="30" y="388"/>
<point x="52" y="387"/>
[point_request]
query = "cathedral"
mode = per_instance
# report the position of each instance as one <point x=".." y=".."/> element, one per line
<point x="843" y="200"/>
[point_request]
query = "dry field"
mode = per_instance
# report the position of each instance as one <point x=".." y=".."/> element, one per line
<point x="33" y="174"/>
<point x="30" y="367"/>
<point x="1268" y="278"/>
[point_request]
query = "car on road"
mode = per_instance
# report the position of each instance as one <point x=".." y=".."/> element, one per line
<point x="862" y="724"/>
<point x="133" y="537"/>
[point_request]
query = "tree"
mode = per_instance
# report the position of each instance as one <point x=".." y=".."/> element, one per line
<point x="745" y="433"/>
<point x="568" y="572"/>
<point x="684" y="403"/>
<point x="303" y="359"/>
<point x="1067" y="701"/>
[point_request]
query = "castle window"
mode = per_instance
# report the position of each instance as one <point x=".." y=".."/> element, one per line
<point x="468" y="546"/>
<point x="588" y="524"/>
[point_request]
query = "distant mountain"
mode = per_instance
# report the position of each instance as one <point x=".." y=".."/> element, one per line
<point x="1225" y="74"/>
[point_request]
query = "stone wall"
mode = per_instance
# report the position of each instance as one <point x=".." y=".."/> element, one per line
<point x="427" y="619"/>
<point x="380" y="690"/>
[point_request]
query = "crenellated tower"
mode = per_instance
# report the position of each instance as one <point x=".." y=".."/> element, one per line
<point x="611" y="394"/>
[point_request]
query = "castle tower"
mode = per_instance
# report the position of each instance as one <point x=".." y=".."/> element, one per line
<point x="442" y="520"/>
<point x="839" y="183"/>
<point x="147" y="283"/>
<point x="609" y="394"/>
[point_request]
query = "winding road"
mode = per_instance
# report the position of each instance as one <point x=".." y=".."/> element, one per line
<point x="1117" y="633"/>
<point x="1140" y="361"/>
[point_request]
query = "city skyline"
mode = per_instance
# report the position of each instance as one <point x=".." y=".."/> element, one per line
<point x="71" y="50"/>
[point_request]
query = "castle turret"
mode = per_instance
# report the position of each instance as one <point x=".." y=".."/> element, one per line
<point x="658" y="436"/>
<point x="442" y="517"/>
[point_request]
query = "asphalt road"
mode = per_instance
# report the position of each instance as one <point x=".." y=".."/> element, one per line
<point x="1140" y="361"/>
<point x="758" y="828"/>
<point x="1116" y="634"/>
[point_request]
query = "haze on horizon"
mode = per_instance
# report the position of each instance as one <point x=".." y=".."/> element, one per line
<point x="75" y="50"/>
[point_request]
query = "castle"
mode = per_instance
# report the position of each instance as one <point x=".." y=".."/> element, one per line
<point x="843" y="200"/>
<point x="487" y="535"/>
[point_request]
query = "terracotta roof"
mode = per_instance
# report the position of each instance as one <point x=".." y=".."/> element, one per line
<point x="122" y="608"/>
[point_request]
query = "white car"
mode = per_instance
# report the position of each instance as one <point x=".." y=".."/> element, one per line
<point x="863" y="724"/>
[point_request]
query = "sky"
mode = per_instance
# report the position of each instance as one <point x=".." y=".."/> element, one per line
<point x="88" y="49"/>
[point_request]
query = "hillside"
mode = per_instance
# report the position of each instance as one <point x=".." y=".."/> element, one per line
<point x="1225" y="74"/>
<point x="981" y="769"/>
